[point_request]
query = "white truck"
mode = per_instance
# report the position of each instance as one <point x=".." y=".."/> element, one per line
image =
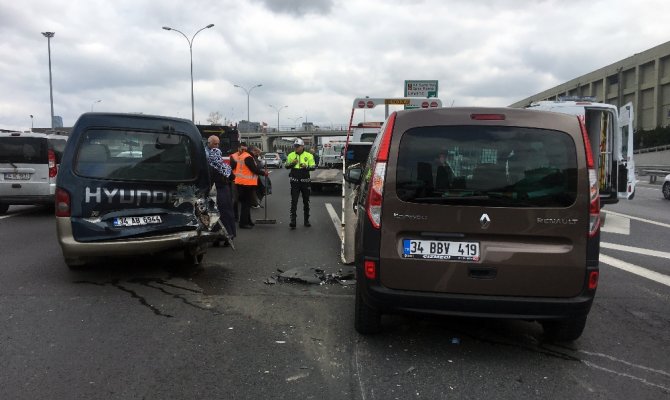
<point x="359" y="142"/>
<point x="610" y="132"/>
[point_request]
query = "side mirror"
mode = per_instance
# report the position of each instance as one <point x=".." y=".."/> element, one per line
<point x="353" y="174"/>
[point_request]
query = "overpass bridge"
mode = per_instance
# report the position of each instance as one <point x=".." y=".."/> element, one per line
<point x="271" y="141"/>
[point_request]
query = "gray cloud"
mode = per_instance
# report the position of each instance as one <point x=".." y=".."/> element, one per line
<point x="298" y="7"/>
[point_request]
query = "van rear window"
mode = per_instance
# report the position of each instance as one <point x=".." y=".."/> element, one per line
<point x="487" y="166"/>
<point x="136" y="156"/>
<point x="23" y="150"/>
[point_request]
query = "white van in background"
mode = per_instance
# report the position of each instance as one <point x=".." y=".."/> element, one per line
<point x="28" y="168"/>
<point x="610" y="131"/>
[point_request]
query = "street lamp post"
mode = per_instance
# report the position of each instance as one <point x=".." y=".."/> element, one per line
<point x="248" y="92"/>
<point x="295" y="121"/>
<point x="92" y="104"/>
<point x="190" y="48"/>
<point x="278" y="109"/>
<point x="49" y="35"/>
<point x="31" y="122"/>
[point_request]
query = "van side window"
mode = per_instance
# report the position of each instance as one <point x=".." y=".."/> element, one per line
<point x="487" y="166"/>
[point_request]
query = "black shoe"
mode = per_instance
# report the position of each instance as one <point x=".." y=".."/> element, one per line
<point x="292" y="225"/>
<point x="246" y="226"/>
<point x="307" y="224"/>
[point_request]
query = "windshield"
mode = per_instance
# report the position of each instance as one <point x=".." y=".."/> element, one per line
<point x="130" y="155"/>
<point x="487" y="166"/>
<point x="23" y="150"/>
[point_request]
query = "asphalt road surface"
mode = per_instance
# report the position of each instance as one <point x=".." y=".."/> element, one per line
<point x="145" y="328"/>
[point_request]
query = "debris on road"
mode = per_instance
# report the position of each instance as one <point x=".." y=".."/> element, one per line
<point x="315" y="276"/>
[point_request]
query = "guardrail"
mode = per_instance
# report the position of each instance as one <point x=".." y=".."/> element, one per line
<point x="652" y="149"/>
<point x="653" y="171"/>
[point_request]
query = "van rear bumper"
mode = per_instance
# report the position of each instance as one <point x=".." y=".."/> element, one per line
<point x="508" y="307"/>
<point x="28" y="200"/>
<point x="127" y="247"/>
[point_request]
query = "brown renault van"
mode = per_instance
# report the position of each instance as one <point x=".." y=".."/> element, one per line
<point x="482" y="212"/>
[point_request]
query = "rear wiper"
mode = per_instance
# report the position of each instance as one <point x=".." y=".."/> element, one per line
<point x="9" y="162"/>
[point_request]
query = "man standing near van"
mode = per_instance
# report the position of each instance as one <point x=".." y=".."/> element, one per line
<point x="300" y="162"/>
<point x="246" y="179"/>
<point x="220" y="173"/>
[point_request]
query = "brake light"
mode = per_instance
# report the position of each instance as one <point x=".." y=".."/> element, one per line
<point x="370" y="268"/>
<point x="53" y="168"/>
<point x="376" y="194"/>
<point x="385" y="145"/>
<point x="62" y="203"/>
<point x="593" y="280"/>
<point x="487" y="117"/>
<point x="594" y="194"/>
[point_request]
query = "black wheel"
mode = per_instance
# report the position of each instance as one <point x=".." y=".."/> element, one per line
<point x="4" y="208"/>
<point x="666" y="190"/>
<point x="565" y="330"/>
<point x="368" y="320"/>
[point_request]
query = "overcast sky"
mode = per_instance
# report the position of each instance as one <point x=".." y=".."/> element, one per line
<point x="314" y="56"/>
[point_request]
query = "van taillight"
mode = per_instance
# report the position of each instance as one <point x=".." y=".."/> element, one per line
<point x="593" y="279"/>
<point x="53" y="168"/>
<point x="62" y="203"/>
<point x="376" y="195"/>
<point x="594" y="193"/>
<point x="370" y="269"/>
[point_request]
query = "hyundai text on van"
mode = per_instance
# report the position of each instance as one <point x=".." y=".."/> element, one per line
<point x="481" y="212"/>
<point x="133" y="184"/>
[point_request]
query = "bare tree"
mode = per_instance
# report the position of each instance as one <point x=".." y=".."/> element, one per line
<point x="214" y="118"/>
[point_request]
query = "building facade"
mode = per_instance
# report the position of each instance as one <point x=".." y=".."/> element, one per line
<point x="643" y="79"/>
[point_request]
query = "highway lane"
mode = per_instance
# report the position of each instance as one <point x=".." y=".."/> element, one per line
<point x="144" y="328"/>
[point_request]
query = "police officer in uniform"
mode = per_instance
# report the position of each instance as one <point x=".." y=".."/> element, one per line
<point x="299" y="162"/>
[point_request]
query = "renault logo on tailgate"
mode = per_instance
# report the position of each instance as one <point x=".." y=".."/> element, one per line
<point x="485" y="221"/>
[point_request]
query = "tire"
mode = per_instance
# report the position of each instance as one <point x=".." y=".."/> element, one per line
<point x="565" y="330"/>
<point x="666" y="190"/>
<point x="367" y="320"/>
<point x="4" y="208"/>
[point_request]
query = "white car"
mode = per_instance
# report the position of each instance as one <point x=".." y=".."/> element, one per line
<point x="272" y="160"/>
<point x="666" y="187"/>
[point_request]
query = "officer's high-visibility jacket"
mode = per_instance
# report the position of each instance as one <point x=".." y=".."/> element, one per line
<point x="243" y="175"/>
<point x="300" y="173"/>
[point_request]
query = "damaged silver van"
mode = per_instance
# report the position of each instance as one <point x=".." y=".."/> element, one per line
<point x="134" y="184"/>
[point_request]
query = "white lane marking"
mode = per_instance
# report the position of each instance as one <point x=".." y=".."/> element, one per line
<point x="616" y="224"/>
<point x="637" y="219"/>
<point x="642" y="367"/>
<point x="623" y="375"/>
<point x="636" y="250"/>
<point x="636" y="270"/>
<point x="335" y="219"/>
<point x="16" y="213"/>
